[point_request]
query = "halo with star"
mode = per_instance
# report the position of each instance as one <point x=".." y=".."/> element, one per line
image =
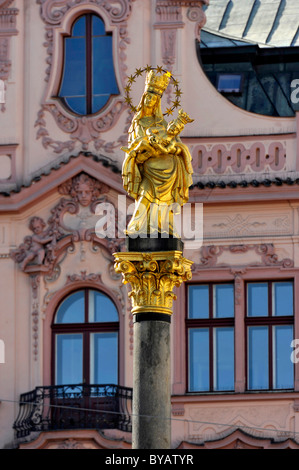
<point x="138" y="72"/>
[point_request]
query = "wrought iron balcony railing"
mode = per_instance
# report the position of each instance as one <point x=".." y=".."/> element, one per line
<point x="74" y="407"/>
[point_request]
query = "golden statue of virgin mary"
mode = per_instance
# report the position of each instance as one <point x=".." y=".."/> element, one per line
<point x="157" y="170"/>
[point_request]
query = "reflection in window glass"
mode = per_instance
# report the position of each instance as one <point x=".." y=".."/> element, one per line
<point x="257" y="299"/>
<point x="283" y="298"/>
<point x="104" y="82"/>
<point x="283" y="371"/>
<point x="73" y="88"/>
<point x="88" y="78"/>
<point x="199" y="301"/>
<point x="229" y="83"/>
<point x="98" y="27"/>
<point x="103" y="351"/>
<point x="258" y="358"/>
<point x="199" y="359"/>
<point x="69" y="359"/>
<point x="72" y="309"/>
<point x="224" y="359"/>
<point x="223" y="300"/>
<point x="79" y="27"/>
<point x="101" y="308"/>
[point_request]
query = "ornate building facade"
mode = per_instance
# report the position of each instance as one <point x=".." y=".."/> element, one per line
<point x="66" y="327"/>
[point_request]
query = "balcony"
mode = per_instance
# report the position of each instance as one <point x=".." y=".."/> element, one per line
<point x="74" y="407"/>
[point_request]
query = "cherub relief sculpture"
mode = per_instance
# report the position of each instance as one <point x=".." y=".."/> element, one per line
<point x="157" y="168"/>
<point x="73" y="219"/>
<point x="34" y="247"/>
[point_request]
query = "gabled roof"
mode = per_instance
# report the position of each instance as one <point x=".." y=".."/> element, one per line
<point x="47" y="180"/>
<point x="272" y="23"/>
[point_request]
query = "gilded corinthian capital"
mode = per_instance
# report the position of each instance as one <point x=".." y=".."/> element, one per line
<point x="152" y="277"/>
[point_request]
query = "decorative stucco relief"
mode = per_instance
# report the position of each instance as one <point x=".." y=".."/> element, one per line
<point x="72" y="220"/>
<point x="71" y="225"/>
<point x="96" y="279"/>
<point x="257" y="420"/>
<point x="265" y="252"/>
<point x="35" y="308"/>
<point x="169" y="19"/>
<point x="236" y="158"/>
<point x="238" y="225"/>
<point x="82" y="131"/>
<point x="240" y="439"/>
<point x="238" y="274"/>
<point x="196" y="14"/>
<point x="8" y="19"/>
<point x="70" y="444"/>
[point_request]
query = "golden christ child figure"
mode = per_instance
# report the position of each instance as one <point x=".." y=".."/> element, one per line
<point x="157" y="169"/>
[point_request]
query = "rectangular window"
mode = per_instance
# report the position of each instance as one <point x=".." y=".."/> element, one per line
<point x="269" y="322"/>
<point x="210" y="326"/>
<point x="229" y="82"/>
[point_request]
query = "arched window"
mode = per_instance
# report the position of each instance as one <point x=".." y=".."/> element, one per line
<point x="88" y="78"/>
<point x="85" y="339"/>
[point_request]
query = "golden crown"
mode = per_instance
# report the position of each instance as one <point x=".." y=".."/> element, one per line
<point x="184" y="117"/>
<point x="157" y="83"/>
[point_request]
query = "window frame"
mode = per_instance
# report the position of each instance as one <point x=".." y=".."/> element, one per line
<point x="270" y="320"/>
<point x="228" y="91"/>
<point x="211" y="323"/>
<point x="88" y="65"/>
<point x="86" y="328"/>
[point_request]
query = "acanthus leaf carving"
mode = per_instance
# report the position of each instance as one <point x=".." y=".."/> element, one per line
<point x="152" y="277"/>
<point x="53" y="11"/>
<point x="83" y="276"/>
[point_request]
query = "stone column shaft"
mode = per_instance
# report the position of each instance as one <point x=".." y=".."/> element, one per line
<point x="152" y="385"/>
<point x="152" y="275"/>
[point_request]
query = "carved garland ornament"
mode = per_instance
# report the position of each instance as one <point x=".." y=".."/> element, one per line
<point x="153" y="277"/>
<point x="82" y="130"/>
<point x="210" y="254"/>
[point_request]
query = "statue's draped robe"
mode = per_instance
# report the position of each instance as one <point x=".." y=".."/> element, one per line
<point x="163" y="180"/>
